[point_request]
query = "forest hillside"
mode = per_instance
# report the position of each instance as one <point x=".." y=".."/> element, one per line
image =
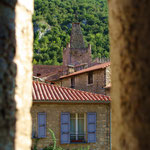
<point x="52" y="21"/>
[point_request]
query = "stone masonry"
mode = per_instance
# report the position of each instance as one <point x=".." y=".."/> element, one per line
<point x="75" y="51"/>
<point x="53" y="114"/>
<point x="101" y="78"/>
<point x="76" y="40"/>
<point x="130" y="60"/>
<point x="16" y="40"/>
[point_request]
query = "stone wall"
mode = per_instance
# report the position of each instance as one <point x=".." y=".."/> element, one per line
<point x="66" y="55"/>
<point x="75" y="56"/>
<point x="81" y="82"/>
<point x="79" y="56"/>
<point x="53" y="114"/>
<point x="129" y="22"/>
<point x="16" y="40"/>
<point x="107" y="91"/>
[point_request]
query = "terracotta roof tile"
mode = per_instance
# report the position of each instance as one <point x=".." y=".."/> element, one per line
<point x="44" y="92"/>
<point x="45" y="70"/>
<point x="96" y="67"/>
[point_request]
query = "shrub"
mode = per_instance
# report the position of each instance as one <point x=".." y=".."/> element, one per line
<point x="54" y="145"/>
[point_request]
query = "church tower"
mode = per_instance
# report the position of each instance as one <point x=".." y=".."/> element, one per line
<point x="76" y="53"/>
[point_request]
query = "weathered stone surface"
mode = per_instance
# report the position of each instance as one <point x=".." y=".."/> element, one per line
<point x="15" y="63"/>
<point x="130" y="51"/>
<point x="76" y="40"/>
<point x="75" y="51"/>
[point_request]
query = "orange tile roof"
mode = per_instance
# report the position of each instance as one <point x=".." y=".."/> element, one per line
<point x="45" y="70"/>
<point x="96" y="67"/>
<point x="44" y="92"/>
<point x="48" y="72"/>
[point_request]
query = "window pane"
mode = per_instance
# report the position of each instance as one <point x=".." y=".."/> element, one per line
<point x="72" y="116"/>
<point x="81" y="116"/>
<point x="81" y="129"/>
<point x="72" y="126"/>
<point x="72" y="137"/>
<point x="81" y="126"/>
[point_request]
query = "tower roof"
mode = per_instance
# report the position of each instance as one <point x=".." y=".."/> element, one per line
<point x="76" y="40"/>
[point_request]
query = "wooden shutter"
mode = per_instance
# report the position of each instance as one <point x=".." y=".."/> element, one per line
<point x="41" y="125"/>
<point x="91" y="126"/>
<point x="65" y="128"/>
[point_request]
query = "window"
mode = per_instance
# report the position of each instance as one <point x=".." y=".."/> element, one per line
<point x="90" y="77"/>
<point x="73" y="82"/>
<point x="78" y="128"/>
<point x="38" y="74"/>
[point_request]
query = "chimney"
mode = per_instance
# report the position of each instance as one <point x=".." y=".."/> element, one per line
<point x="70" y="69"/>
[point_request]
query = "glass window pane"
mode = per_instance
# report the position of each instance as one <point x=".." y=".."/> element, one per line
<point x="72" y="137"/>
<point x="81" y="126"/>
<point x="72" y="116"/>
<point x="81" y="116"/>
<point x="72" y="126"/>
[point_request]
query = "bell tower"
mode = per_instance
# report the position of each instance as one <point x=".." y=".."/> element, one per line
<point x="76" y="53"/>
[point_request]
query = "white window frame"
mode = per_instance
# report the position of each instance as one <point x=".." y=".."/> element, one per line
<point x="76" y="126"/>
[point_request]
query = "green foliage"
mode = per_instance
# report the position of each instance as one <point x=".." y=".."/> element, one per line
<point x="52" y="22"/>
<point x="83" y="148"/>
<point x="35" y="144"/>
<point x="53" y="138"/>
<point x="54" y="146"/>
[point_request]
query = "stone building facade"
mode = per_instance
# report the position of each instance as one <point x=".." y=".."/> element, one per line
<point x="53" y="121"/>
<point x="89" y="125"/>
<point x="99" y="76"/>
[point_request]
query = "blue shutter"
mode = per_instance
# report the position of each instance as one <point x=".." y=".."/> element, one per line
<point x="41" y="125"/>
<point x="91" y="126"/>
<point x="65" y="128"/>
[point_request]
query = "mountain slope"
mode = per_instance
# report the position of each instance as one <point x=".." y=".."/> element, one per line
<point x="52" y="22"/>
